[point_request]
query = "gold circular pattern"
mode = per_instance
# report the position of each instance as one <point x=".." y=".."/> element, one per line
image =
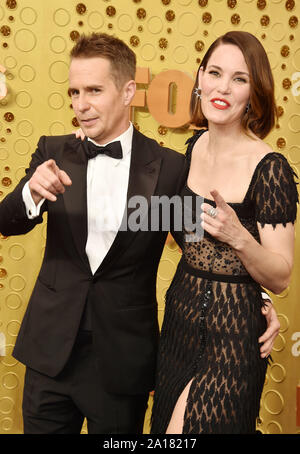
<point x="281" y="143"/>
<point x="231" y="3"/>
<point x="81" y="8"/>
<point x="9" y="116"/>
<point x="265" y="20"/>
<point x="58" y="44"/>
<point x="74" y="35"/>
<point x="235" y="19"/>
<point x="28" y="16"/>
<point x="11" y="4"/>
<point x="286" y="83"/>
<point x="280" y="111"/>
<point x="134" y="40"/>
<point x="27" y="73"/>
<point x="6" y="181"/>
<point x="277" y="373"/>
<point x="141" y="13"/>
<point x="162" y="130"/>
<point x="274" y="428"/>
<point x="23" y="99"/>
<point x="163" y="43"/>
<point x="16" y="252"/>
<point x="61" y="17"/>
<point x="199" y="45"/>
<point x="206" y="18"/>
<point x="261" y="4"/>
<point x="95" y="20"/>
<point x="293" y="21"/>
<point x="155" y="25"/>
<point x="59" y="72"/>
<point x="290" y="5"/>
<point x="170" y="15"/>
<point x="21" y="147"/>
<point x="285" y="51"/>
<point x="75" y="122"/>
<point x="166" y="2"/>
<point x="203" y="3"/>
<point x="3" y="273"/>
<point x="13" y="301"/>
<point x="111" y="11"/>
<point x="273" y="402"/>
<point x="25" y="40"/>
<point x="5" y="30"/>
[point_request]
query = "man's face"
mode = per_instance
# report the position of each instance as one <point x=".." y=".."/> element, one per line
<point x="100" y="107"/>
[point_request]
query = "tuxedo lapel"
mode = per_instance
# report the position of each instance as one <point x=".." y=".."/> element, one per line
<point x="143" y="176"/>
<point x="74" y="163"/>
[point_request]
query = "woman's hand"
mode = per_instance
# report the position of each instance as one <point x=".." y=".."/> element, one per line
<point x="268" y="338"/>
<point x="79" y="134"/>
<point x="222" y="222"/>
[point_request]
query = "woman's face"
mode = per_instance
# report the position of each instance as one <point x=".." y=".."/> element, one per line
<point x="225" y="86"/>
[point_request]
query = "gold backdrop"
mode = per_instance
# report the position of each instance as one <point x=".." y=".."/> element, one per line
<point x="35" y="38"/>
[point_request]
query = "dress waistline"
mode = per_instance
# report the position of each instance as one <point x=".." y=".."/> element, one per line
<point x="234" y="279"/>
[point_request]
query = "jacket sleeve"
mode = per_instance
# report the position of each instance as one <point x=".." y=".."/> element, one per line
<point x="13" y="217"/>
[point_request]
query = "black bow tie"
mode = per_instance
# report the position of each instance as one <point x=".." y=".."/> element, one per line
<point x="113" y="149"/>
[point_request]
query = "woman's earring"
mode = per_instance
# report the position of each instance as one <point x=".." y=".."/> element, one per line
<point x="248" y="107"/>
<point x="197" y="92"/>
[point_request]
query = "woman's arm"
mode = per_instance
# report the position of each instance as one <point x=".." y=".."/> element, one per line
<point x="269" y="263"/>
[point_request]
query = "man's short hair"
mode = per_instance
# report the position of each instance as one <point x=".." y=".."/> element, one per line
<point x="122" y="59"/>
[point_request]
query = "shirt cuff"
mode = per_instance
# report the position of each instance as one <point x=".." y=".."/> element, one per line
<point x="32" y="210"/>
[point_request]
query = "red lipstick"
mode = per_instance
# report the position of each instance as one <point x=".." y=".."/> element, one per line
<point x="220" y="103"/>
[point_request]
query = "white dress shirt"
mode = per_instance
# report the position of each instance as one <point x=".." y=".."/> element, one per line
<point x="107" y="184"/>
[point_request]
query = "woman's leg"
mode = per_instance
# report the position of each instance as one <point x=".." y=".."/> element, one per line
<point x="177" y="418"/>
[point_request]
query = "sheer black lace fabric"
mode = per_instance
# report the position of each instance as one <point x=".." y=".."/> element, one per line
<point x="213" y="317"/>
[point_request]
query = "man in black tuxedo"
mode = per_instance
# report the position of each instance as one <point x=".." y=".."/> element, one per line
<point x="90" y="332"/>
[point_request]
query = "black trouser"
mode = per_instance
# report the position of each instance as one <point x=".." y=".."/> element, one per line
<point x="58" y="405"/>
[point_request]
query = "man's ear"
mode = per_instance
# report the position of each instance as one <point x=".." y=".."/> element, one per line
<point x="129" y="92"/>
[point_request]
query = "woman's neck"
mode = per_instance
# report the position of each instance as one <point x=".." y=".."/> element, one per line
<point x="224" y="139"/>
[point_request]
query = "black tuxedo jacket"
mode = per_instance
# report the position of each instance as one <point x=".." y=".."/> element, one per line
<point x="121" y="294"/>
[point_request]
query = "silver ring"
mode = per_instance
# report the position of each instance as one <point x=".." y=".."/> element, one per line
<point x="212" y="212"/>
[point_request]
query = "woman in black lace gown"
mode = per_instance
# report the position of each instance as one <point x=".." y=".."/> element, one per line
<point x="210" y="372"/>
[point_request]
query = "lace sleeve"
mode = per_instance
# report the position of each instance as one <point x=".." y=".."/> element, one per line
<point x="275" y="191"/>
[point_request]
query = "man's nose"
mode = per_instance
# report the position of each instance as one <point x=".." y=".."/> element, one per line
<point x="82" y="103"/>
